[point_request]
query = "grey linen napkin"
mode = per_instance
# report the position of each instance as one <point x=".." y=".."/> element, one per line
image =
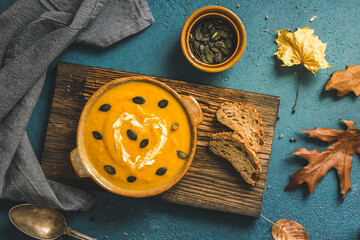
<point x="32" y="34"/>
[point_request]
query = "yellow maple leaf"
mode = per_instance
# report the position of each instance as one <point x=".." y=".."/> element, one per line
<point x="301" y="47"/>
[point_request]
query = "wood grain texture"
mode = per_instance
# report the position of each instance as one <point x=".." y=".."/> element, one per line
<point x="211" y="181"/>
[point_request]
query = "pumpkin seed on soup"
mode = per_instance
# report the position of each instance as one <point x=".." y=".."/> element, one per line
<point x="97" y="135"/>
<point x="138" y="100"/>
<point x="131" y="179"/>
<point x="181" y="154"/>
<point x="163" y="103"/>
<point x="144" y="143"/>
<point x="174" y="126"/>
<point x="161" y="171"/>
<point x="109" y="169"/>
<point x="105" y="107"/>
<point x="131" y="134"/>
<point x="215" y="41"/>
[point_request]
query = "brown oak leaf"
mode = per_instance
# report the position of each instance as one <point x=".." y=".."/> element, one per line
<point x="345" y="81"/>
<point x="339" y="156"/>
<point x="288" y="230"/>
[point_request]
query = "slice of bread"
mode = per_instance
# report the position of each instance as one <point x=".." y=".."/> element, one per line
<point x="233" y="148"/>
<point x="245" y="121"/>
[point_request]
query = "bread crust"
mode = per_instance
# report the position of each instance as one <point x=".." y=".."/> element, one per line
<point x="250" y="175"/>
<point x="221" y="116"/>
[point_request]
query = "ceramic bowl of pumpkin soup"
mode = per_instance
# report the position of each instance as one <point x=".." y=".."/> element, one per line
<point x="136" y="137"/>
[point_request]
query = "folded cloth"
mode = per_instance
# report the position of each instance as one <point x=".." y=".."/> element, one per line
<point x="32" y="34"/>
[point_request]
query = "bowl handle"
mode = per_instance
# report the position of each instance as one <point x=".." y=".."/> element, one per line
<point x="79" y="167"/>
<point x="194" y="109"/>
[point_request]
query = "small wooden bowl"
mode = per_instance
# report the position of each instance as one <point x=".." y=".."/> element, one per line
<point x="217" y="13"/>
<point x="82" y="164"/>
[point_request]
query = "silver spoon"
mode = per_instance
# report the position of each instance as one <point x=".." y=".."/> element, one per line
<point x="41" y="222"/>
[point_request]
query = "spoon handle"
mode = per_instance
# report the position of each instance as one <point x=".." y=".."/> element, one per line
<point x="78" y="235"/>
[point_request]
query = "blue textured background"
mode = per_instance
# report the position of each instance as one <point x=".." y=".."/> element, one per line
<point x="156" y="51"/>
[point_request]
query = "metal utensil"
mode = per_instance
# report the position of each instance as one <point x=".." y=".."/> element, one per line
<point x="41" y="222"/>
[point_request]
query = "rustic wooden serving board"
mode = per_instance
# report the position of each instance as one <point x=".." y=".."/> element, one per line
<point x="211" y="181"/>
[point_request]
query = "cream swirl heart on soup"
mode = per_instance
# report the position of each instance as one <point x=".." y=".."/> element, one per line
<point x="141" y="150"/>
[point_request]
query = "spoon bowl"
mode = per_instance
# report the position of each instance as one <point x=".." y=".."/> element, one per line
<point x="41" y="222"/>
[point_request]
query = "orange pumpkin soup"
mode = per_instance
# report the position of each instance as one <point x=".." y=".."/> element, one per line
<point x="137" y="136"/>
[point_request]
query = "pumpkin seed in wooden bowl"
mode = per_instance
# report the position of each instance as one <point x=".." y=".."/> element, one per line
<point x="213" y="39"/>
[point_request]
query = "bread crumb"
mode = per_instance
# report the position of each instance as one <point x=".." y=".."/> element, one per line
<point x="266" y="30"/>
<point x="313" y="18"/>
<point x="268" y="187"/>
<point x="125" y="234"/>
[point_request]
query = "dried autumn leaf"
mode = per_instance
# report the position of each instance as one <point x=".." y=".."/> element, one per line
<point x="345" y="81"/>
<point x="301" y="47"/>
<point x="289" y="230"/>
<point x="338" y="156"/>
